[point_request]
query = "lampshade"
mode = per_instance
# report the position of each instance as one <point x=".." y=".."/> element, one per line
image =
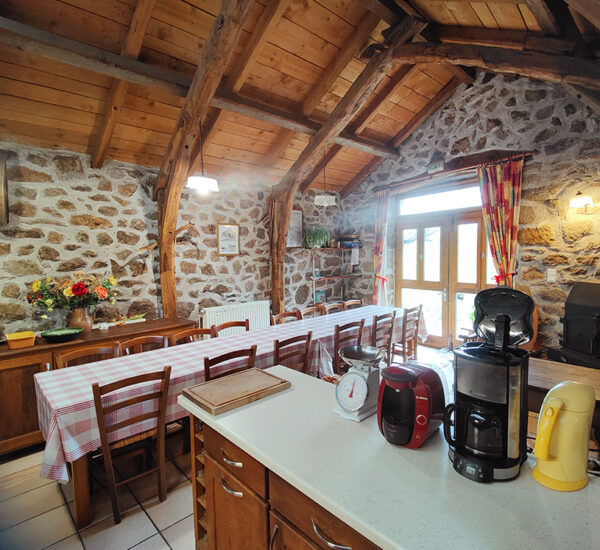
<point x="324" y="200"/>
<point x="580" y="201"/>
<point x="203" y="184"/>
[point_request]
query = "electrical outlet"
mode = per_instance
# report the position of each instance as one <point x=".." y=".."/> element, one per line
<point x="551" y="275"/>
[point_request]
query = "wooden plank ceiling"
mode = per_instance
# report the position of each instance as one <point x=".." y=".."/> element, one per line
<point x="302" y="63"/>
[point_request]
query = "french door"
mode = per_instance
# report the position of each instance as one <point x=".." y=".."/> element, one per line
<point x="441" y="263"/>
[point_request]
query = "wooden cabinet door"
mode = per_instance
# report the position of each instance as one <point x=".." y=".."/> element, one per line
<point x="19" y="426"/>
<point x="237" y="517"/>
<point x="285" y="536"/>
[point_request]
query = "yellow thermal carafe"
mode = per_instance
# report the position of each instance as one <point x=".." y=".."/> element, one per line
<point x="563" y="436"/>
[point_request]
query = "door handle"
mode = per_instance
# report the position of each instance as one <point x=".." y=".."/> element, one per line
<point x="237" y="494"/>
<point x="444" y="295"/>
<point x="231" y="462"/>
<point x="327" y="543"/>
<point x="273" y="535"/>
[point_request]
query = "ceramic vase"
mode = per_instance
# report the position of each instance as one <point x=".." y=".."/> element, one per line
<point x="81" y="317"/>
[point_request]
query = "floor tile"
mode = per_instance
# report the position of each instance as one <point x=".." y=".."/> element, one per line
<point x="153" y="543"/>
<point x="40" y="531"/>
<point x="179" y="504"/>
<point x="20" y="482"/>
<point x="134" y="528"/>
<point x="102" y="505"/>
<point x="181" y="535"/>
<point x="30" y="504"/>
<point x="22" y="463"/>
<point x="71" y="543"/>
<point x="146" y="487"/>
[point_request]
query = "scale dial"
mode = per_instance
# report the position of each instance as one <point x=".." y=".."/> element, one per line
<point x="352" y="391"/>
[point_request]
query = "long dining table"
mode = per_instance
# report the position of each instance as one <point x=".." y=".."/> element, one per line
<point x="65" y="402"/>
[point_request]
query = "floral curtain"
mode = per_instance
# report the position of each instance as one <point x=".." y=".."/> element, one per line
<point x="501" y="197"/>
<point x="383" y="200"/>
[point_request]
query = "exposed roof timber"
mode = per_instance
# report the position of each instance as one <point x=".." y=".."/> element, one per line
<point x="298" y="123"/>
<point x="438" y="100"/>
<point x="346" y="108"/>
<point x="590" y="9"/>
<point x="544" y="16"/>
<point x="514" y="40"/>
<point x="391" y="11"/>
<point x="553" y="68"/>
<point x="591" y="98"/>
<point x="327" y="158"/>
<point x="118" y="91"/>
<point x="216" y="54"/>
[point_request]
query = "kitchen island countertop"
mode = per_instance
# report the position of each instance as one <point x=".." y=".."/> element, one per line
<point x="397" y="497"/>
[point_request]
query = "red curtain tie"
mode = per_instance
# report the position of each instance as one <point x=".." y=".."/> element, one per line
<point x="499" y="278"/>
<point x="382" y="278"/>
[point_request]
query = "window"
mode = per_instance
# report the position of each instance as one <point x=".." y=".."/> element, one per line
<point x="468" y="197"/>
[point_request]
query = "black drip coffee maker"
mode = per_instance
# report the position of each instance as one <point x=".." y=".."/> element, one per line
<point x="490" y="389"/>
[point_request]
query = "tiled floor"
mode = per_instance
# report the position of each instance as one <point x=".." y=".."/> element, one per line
<point x="36" y="513"/>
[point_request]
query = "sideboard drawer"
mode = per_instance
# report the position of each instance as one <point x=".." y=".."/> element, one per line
<point x="234" y="460"/>
<point x="315" y="522"/>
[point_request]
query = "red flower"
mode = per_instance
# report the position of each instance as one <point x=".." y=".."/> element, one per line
<point x="79" y="289"/>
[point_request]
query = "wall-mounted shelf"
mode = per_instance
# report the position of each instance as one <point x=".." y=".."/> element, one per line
<point x="345" y="259"/>
<point x="333" y="277"/>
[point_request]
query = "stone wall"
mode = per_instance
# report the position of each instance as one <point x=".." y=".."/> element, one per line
<point x="511" y="113"/>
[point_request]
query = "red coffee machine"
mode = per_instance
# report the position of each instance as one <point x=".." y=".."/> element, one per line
<point x="411" y="404"/>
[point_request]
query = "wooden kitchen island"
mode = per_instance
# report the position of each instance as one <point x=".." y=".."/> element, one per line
<point x="286" y="472"/>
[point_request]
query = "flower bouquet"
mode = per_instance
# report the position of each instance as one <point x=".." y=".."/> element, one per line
<point x="81" y="291"/>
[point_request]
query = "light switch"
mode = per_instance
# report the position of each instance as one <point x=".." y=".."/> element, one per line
<point x="551" y="275"/>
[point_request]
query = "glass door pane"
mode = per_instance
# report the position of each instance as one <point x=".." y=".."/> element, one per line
<point x="490" y="270"/>
<point x="409" y="254"/>
<point x="432" y="253"/>
<point x="465" y="313"/>
<point x="431" y="300"/>
<point x="467" y="253"/>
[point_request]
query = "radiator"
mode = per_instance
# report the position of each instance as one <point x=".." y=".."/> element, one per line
<point x="256" y="312"/>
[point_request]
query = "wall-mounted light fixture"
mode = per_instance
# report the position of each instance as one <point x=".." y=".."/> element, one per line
<point x="324" y="200"/>
<point x="198" y="181"/>
<point x="581" y="202"/>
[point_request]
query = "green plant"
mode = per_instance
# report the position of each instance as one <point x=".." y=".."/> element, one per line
<point x="316" y="237"/>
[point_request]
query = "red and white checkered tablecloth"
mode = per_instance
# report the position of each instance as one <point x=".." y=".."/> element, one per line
<point x="65" y="402"/>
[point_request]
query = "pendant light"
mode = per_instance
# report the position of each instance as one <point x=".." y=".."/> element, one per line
<point x="324" y="200"/>
<point x="198" y="181"/>
<point x="581" y="201"/>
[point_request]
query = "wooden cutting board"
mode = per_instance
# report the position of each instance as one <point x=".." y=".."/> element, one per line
<point x="234" y="390"/>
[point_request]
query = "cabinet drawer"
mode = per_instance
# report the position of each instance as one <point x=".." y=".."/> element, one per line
<point x="229" y="456"/>
<point x="322" y="527"/>
<point x="285" y="536"/>
<point x="236" y="517"/>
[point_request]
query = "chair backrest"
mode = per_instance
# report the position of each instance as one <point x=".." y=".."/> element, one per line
<point x="189" y="335"/>
<point x="410" y="324"/>
<point x="351" y="304"/>
<point x="292" y="349"/>
<point x="249" y="353"/>
<point x="215" y="329"/>
<point x="104" y="409"/>
<point x="326" y="309"/>
<point x="284" y="316"/>
<point x="349" y="334"/>
<point x="141" y="344"/>
<point x="88" y="354"/>
<point x="382" y="331"/>
<point x="309" y="312"/>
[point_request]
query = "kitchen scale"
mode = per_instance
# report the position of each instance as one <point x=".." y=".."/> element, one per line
<point x="357" y="391"/>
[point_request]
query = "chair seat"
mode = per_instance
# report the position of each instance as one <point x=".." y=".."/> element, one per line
<point x="133" y="439"/>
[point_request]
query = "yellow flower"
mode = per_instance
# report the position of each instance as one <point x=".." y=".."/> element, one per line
<point x="35" y="286"/>
<point x="68" y="292"/>
<point x="48" y="279"/>
<point x="48" y="302"/>
<point x="112" y="280"/>
<point x="50" y="309"/>
<point x="44" y="316"/>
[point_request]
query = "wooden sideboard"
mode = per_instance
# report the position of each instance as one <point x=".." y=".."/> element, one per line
<point x="18" y="421"/>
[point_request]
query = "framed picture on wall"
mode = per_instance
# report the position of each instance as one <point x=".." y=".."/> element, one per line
<point x="294" y="236"/>
<point x="228" y="239"/>
<point x="3" y="192"/>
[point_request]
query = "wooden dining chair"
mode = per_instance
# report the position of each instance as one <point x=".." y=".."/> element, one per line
<point x="189" y="335"/>
<point x="382" y="332"/>
<point x="310" y="312"/>
<point x="285" y="316"/>
<point x="215" y="329"/>
<point x="108" y="422"/>
<point x="292" y="354"/>
<point x="349" y="334"/>
<point x="142" y="344"/>
<point x="352" y="304"/>
<point x="250" y="353"/>
<point x="87" y="354"/>
<point x="326" y="309"/>
<point x="407" y="347"/>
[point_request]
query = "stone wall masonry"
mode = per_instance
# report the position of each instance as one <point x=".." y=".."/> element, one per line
<point x="512" y="113"/>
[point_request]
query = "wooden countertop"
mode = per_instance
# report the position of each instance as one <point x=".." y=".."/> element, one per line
<point x="544" y="374"/>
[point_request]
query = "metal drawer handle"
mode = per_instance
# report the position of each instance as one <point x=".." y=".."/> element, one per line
<point x="273" y="535"/>
<point x="238" y="494"/>
<point x="325" y="541"/>
<point x="231" y="462"/>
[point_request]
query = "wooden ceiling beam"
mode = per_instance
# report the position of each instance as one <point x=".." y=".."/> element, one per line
<point x="544" y="16"/>
<point x="553" y="68"/>
<point x="590" y="9"/>
<point x="437" y="101"/>
<point x="325" y="160"/>
<point x="216" y="54"/>
<point x="118" y="90"/>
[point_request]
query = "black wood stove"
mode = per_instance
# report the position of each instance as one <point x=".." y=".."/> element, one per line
<point x="581" y="327"/>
